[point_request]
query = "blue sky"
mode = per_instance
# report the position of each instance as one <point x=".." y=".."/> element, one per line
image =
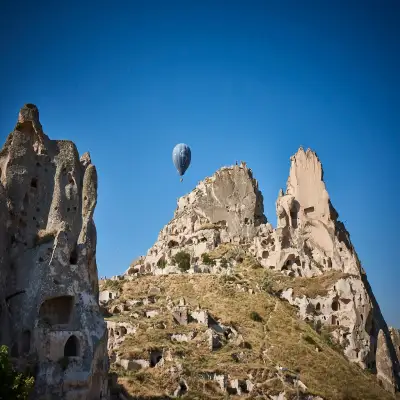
<point x="236" y="80"/>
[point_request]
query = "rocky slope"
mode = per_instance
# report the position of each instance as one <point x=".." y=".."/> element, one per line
<point x="49" y="313"/>
<point x="222" y="299"/>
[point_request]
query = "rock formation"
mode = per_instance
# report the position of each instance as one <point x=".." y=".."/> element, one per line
<point x="49" y="313"/>
<point x="225" y="208"/>
<point x="313" y="242"/>
<point x="309" y="247"/>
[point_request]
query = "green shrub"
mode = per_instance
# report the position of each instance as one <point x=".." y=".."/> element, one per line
<point x="13" y="385"/>
<point x="182" y="260"/>
<point x="310" y="340"/>
<point x="255" y="316"/>
<point x="161" y="263"/>
<point x="330" y="341"/>
<point x="207" y="260"/>
<point x="267" y="284"/>
<point x="224" y="263"/>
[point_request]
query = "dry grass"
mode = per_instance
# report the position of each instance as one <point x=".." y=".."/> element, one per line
<point x="228" y="251"/>
<point x="110" y="284"/>
<point x="280" y="339"/>
<point x="310" y="287"/>
<point x="326" y="373"/>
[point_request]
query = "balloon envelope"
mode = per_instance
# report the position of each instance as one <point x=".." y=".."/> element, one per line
<point x="181" y="157"/>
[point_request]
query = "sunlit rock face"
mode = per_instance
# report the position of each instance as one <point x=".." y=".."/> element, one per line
<point x="50" y="316"/>
<point x="309" y="242"/>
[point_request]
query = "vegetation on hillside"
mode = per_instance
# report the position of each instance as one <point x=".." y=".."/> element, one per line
<point x="13" y="385"/>
<point x="269" y="335"/>
<point x="182" y="260"/>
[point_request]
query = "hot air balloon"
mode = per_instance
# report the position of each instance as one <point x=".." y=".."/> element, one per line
<point x="181" y="157"/>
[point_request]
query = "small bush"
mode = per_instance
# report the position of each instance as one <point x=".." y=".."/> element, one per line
<point x="161" y="263"/>
<point x="224" y="263"/>
<point x="330" y="341"/>
<point x="255" y="316"/>
<point x="207" y="260"/>
<point x="310" y="340"/>
<point x="182" y="260"/>
<point x="267" y="284"/>
<point x="317" y="326"/>
<point x="13" y="385"/>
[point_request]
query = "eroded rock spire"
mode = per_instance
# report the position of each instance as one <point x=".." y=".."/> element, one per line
<point x="48" y="272"/>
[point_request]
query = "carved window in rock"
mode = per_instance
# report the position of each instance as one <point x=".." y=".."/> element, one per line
<point x="71" y="348"/>
<point x="155" y="357"/>
<point x="34" y="183"/>
<point x="335" y="305"/>
<point x="294" y="211"/>
<point x="73" y="258"/>
<point x="309" y="210"/>
<point x="124" y="331"/>
<point x="57" y="310"/>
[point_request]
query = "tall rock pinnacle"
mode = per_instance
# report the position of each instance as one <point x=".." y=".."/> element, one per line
<point x="49" y="314"/>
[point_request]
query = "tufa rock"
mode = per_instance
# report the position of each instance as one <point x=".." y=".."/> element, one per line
<point x="310" y="248"/>
<point x="49" y="312"/>
<point x="384" y="365"/>
<point x="225" y="208"/>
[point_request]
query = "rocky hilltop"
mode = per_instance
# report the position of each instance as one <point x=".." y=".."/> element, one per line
<point x="49" y="313"/>
<point x="223" y="303"/>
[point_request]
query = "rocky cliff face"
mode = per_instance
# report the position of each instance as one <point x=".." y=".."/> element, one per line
<point x="313" y="242"/>
<point x="310" y="259"/>
<point x="49" y="310"/>
<point x="225" y="208"/>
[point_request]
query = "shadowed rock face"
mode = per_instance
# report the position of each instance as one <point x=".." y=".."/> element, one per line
<point x="309" y="242"/>
<point x="48" y="272"/>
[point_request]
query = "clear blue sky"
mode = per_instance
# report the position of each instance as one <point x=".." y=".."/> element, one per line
<point x="236" y="80"/>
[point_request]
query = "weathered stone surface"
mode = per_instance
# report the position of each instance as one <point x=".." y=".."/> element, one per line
<point x="395" y="336"/>
<point x="225" y="208"/>
<point x="117" y="332"/>
<point x="384" y="365"/>
<point x="48" y="273"/>
<point x="134" y="365"/>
